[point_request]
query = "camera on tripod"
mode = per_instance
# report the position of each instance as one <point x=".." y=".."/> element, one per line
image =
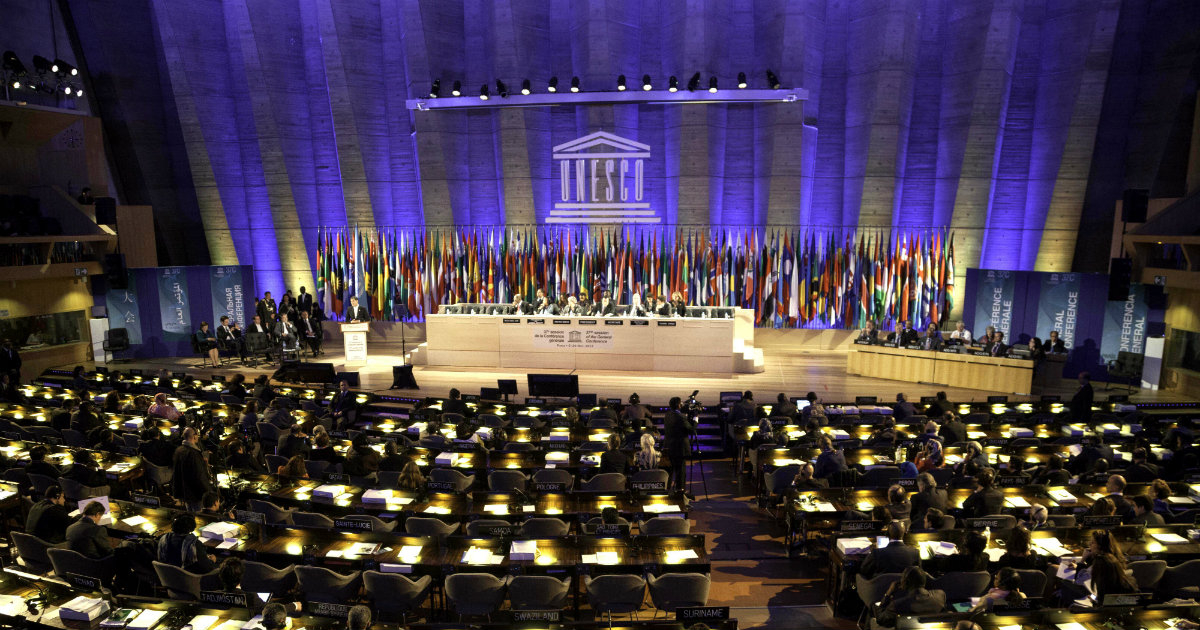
<point x="691" y="406"/>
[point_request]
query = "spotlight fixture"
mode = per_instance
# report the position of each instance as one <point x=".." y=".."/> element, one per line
<point x="772" y="80"/>
<point x="13" y="64"/>
<point x="574" y="84"/>
<point x="435" y="88"/>
<point x="673" y="85"/>
<point x="67" y="90"/>
<point x="646" y="82"/>
<point x="16" y="84"/>
<point x="741" y="80"/>
<point x="694" y="82"/>
<point x="64" y="69"/>
<point x="456" y="89"/>
<point x="501" y="89"/>
<point x="553" y="86"/>
<point x="525" y="87"/>
<point x="712" y="84"/>
<point x="621" y="83"/>
<point x="79" y="93"/>
<point x="42" y="65"/>
<point x="483" y="92"/>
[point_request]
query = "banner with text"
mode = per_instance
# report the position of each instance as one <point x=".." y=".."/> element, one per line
<point x="1058" y="306"/>
<point x="228" y="294"/>
<point x="994" y="301"/>
<point x="123" y="312"/>
<point x="173" y="303"/>
<point x="571" y="339"/>
<point x="1125" y="324"/>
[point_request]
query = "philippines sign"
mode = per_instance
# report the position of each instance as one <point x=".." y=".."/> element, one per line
<point x="602" y="179"/>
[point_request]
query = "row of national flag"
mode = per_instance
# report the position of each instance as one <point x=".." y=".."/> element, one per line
<point x="790" y="278"/>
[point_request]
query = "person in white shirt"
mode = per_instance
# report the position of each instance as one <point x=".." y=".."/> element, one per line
<point x="961" y="334"/>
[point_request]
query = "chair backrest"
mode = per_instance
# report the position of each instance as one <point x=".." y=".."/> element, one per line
<point x="665" y="526"/>
<point x="275" y="514"/>
<point x="1033" y="582"/>
<point x="463" y="482"/>
<point x="41" y="482"/>
<point x="616" y="593"/>
<point x="474" y="593"/>
<point x="507" y="481"/>
<point x="76" y="491"/>
<point x="392" y="592"/>
<point x="267" y="431"/>
<point x="544" y="527"/>
<point x="32" y="551"/>
<point x="257" y="342"/>
<point x="322" y="585"/>
<point x="519" y="447"/>
<point x="879" y="477"/>
<point x="311" y="520"/>
<point x="71" y="437"/>
<point x="1148" y="573"/>
<point x="871" y="590"/>
<point x="538" y="592"/>
<point x="605" y="482"/>
<point x="962" y="585"/>
<point x="274" y="462"/>
<point x="480" y="527"/>
<point x="555" y="475"/>
<point x="180" y="584"/>
<point x="259" y="577"/>
<point x="315" y="467"/>
<point x="1061" y="520"/>
<point x="117" y="335"/>
<point x="158" y="475"/>
<point x="676" y="590"/>
<point x="779" y="479"/>
<point x="67" y="561"/>
<point x="1176" y="578"/>
<point x="377" y="524"/>
<point x="424" y="526"/>
<point x="650" y="474"/>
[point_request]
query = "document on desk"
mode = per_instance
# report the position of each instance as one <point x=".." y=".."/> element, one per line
<point x="1170" y="539"/>
<point x="1016" y="502"/>
<point x="134" y="521"/>
<point x="1051" y="547"/>
<point x="433" y="509"/>
<point x="679" y="555"/>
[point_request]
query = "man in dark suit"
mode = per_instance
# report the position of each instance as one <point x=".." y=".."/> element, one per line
<point x="933" y="338"/>
<point x="905" y="335"/>
<point x="304" y="301"/>
<point x="953" y="431"/>
<point x="191" y="478"/>
<point x="343" y="406"/>
<point x="87" y="536"/>
<point x="986" y="500"/>
<point x="10" y="360"/>
<point x="48" y="519"/>
<point x="784" y="407"/>
<point x="1115" y="492"/>
<point x="902" y="410"/>
<point x="998" y="348"/>
<point x="1140" y="471"/>
<point x="38" y="464"/>
<point x="661" y="308"/>
<point x="927" y="496"/>
<point x="606" y="307"/>
<point x="743" y="411"/>
<point x="1143" y="512"/>
<point x="285" y="332"/>
<point x="520" y="306"/>
<point x="677" y="431"/>
<point x="456" y="405"/>
<point x="939" y="407"/>
<point x="226" y="339"/>
<point x="894" y="558"/>
<point x="266" y="308"/>
<point x="1053" y="475"/>
<point x="1081" y="402"/>
<point x="1053" y="344"/>
<point x="310" y="332"/>
<point x="357" y="314"/>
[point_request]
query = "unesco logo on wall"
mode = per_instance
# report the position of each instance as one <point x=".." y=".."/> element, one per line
<point x="602" y="179"/>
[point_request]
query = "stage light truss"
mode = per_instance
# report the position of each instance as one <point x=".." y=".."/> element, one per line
<point x="624" y="97"/>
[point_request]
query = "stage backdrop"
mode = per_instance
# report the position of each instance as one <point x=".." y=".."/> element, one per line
<point x="163" y="306"/>
<point x="1022" y="304"/>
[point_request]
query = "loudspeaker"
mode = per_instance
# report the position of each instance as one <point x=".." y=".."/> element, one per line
<point x="1133" y="205"/>
<point x="98" y="285"/>
<point x="1120" y="274"/>
<point x="1156" y="297"/>
<point x="115" y="271"/>
<point x="106" y="211"/>
<point x="402" y="377"/>
<point x="351" y="378"/>
<point x="297" y="372"/>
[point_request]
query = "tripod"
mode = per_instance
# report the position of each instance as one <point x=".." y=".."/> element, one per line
<point x="695" y="460"/>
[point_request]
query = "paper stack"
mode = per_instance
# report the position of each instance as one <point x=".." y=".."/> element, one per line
<point x="388" y="567"/>
<point x="931" y="548"/>
<point x="679" y="555"/>
<point x="146" y="619"/>
<point x="1170" y="539"/>
<point x="329" y="491"/>
<point x="1180" y="500"/>
<point x="83" y="608"/>
<point x="1020" y="432"/>
<point x="838" y="434"/>
<point x="221" y="530"/>
<point x="525" y="550"/>
<point x="446" y="459"/>
<point x="607" y="557"/>
<point x="1016" y="501"/>
<point x="558" y="457"/>
<point x="1073" y="430"/>
<point x="660" y="508"/>
<point x="1062" y="496"/>
<point x="119" y="618"/>
<point x="481" y="556"/>
<point x="1051" y="547"/>
<point x="201" y="622"/>
<point x="378" y="496"/>
<point x="854" y="546"/>
<point x="363" y="549"/>
<point x="496" y="508"/>
<point x="411" y="553"/>
<point x="434" y="509"/>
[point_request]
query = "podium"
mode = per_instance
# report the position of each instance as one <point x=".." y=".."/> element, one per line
<point x="354" y="340"/>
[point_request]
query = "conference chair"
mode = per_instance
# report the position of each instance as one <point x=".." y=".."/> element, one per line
<point x="589" y="527"/>
<point x="269" y="436"/>
<point x="774" y="484"/>
<point x="555" y="475"/>
<point x="318" y="584"/>
<point x="650" y="475"/>
<point x="961" y="586"/>
<point x="1180" y="581"/>
<point x="1061" y="520"/>
<point x="424" y="526"/>
<point x="1148" y="573"/>
<point x="507" y="481"/>
<point x="274" y="514"/>
<point x="31" y="552"/>
<point x="615" y="594"/>
<point x="387" y="479"/>
<point x="871" y="591"/>
<point x="878" y="477"/>
<point x="461" y="482"/>
<point x="492" y="421"/>
<point x="71" y="437"/>
<point x="259" y="577"/>
<point x="396" y="593"/>
<point x="519" y="447"/>
<point x="75" y="491"/>
<point x="1033" y="582"/>
<point x="311" y="520"/>
<point x="115" y="340"/>
<point x="67" y="562"/>
<point x="475" y="593"/>
<point x="678" y="590"/>
<point x="605" y="482"/>
<point x="544" y="527"/>
<point x="258" y="344"/>
<point x="180" y="584"/>
<point x="538" y="592"/>
<point x="665" y="526"/>
<point x="41" y="483"/>
<point x="158" y="477"/>
<point x="274" y="462"/>
<point x="480" y="527"/>
<point x="316" y="468"/>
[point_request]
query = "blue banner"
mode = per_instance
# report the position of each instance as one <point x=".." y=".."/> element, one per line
<point x="994" y="302"/>
<point x="173" y="303"/>
<point x="228" y="294"/>
<point x="1125" y="324"/>
<point x="123" y="311"/>
<point x="1058" y="306"/>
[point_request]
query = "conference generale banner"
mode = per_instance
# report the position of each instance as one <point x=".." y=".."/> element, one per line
<point x="994" y="301"/>
<point x="1058" y="306"/>
<point x="228" y="294"/>
<point x="173" y="303"/>
<point x="1125" y="324"/>
<point x="122" y="307"/>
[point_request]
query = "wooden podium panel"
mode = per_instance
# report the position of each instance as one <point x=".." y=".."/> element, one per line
<point x="689" y="344"/>
<point x="944" y="368"/>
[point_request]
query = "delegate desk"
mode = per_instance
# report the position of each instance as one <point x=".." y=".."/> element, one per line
<point x="951" y="369"/>
<point x="680" y="344"/>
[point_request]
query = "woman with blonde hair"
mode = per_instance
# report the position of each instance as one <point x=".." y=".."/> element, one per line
<point x="647" y="458"/>
<point x="411" y="478"/>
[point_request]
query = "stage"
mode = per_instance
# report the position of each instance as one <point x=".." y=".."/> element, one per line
<point x="797" y="361"/>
